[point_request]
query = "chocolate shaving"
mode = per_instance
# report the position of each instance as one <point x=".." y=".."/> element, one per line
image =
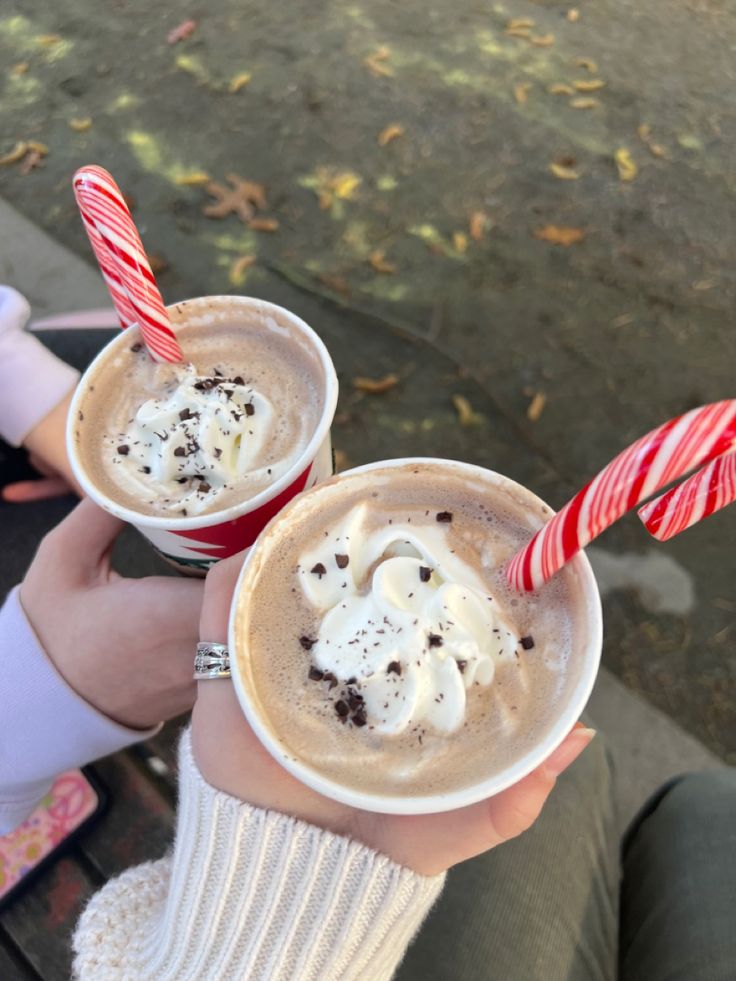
<point x="250" y="409"/>
<point x="136" y="348"/>
<point x="204" y="488"/>
<point x="359" y="718"/>
<point x="315" y="674"/>
<point x="341" y="708"/>
<point x="123" y="450"/>
<point x="527" y="642"/>
<point x="237" y="380"/>
<point x="218" y="452"/>
<point x="145" y="469"/>
<point x="185" y="414"/>
<point x="307" y="642"/>
<point x="461" y="666"/>
<point x="435" y="640"/>
<point x="181" y="480"/>
<point x="329" y="676"/>
<point x="318" y="570"/>
<point x="445" y="516"/>
<point x="342" y="561"/>
<point x="425" y="573"/>
<point x="394" y="668"/>
<point x="180" y="451"/>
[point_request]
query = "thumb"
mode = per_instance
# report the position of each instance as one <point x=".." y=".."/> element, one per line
<point x="85" y="536"/>
<point x="25" y="491"/>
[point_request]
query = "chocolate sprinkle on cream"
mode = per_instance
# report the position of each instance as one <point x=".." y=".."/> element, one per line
<point x="461" y="666"/>
<point x="394" y="668"/>
<point x="307" y="643"/>
<point x="180" y="451"/>
<point x="136" y="348"/>
<point x="342" y="561"/>
<point x="341" y="708"/>
<point x="527" y="642"/>
<point x="444" y="516"/>
<point x="315" y="674"/>
<point x="425" y="573"/>
<point x="250" y="409"/>
<point x="318" y="570"/>
<point x="435" y="640"/>
<point x="123" y="450"/>
<point x="237" y="380"/>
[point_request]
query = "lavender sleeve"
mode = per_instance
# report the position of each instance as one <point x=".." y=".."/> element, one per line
<point x="32" y="379"/>
<point x="45" y="726"/>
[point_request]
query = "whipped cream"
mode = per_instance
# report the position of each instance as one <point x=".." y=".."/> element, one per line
<point x="412" y="643"/>
<point x="204" y="434"/>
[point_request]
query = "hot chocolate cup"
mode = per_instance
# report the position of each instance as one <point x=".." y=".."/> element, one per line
<point x="584" y="662"/>
<point x="193" y="543"/>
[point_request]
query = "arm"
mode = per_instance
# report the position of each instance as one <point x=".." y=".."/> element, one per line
<point x="91" y="661"/>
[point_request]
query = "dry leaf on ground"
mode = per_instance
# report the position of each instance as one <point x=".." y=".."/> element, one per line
<point x="376" y="386"/>
<point x="241" y="199"/>
<point x="460" y="242"/>
<point x="521" y="92"/>
<point x="264" y="224"/>
<point x="20" y="68"/>
<point x="477" y="225"/>
<point x="519" y="22"/>
<point x="588" y="84"/>
<point x="536" y="406"/>
<point x="379" y="264"/>
<point x="560" y="88"/>
<point x="338" y="284"/>
<point x="644" y="133"/>
<point x="391" y="132"/>
<point x="195" y="179"/>
<point x="239" y="81"/>
<point x="32" y="161"/>
<point x="80" y="125"/>
<point x="376" y="63"/>
<point x="588" y="64"/>
<point x="49" y="40"/>
<point x="573" y="15"/>
<point x="564" y="169"/>
<point x="465" y="413"/>
<point x="521" y="32"/>
<point x="559" y="234"/>
<point x="17" y="153"/>
<point x="627" y="169"/>
<point x="181" y="32"/>
<point x="239" y="268"/>
<point x="543" y="40"/>
<point x="158" y="263"/>
<point x="584" y="102"/>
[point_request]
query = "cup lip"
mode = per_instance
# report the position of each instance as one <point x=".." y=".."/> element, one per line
<point x="463" y="796"/>
<point x="194" y="522"/>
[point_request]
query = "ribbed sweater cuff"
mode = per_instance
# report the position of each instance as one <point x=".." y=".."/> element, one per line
<point x="258" y="895"/>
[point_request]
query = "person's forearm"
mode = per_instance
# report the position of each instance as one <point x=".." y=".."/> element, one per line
<point x="45" y="726"/>
<point x="255" y="894"/>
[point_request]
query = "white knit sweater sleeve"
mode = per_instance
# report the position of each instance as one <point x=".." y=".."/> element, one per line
<point x="251" y="894"/>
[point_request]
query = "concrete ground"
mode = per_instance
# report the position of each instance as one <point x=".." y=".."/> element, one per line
<point x="424" y="172"/>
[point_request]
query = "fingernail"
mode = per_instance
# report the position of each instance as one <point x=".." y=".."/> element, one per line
<point x="569" y="751"/>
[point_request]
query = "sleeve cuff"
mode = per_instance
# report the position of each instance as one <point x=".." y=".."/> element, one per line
<point x="32" y="379"/>
<point x="258" y="894"/>
<point x="45" y="726"/>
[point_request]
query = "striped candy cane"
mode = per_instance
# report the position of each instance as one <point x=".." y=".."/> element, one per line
<point x="663" y="455"/>
<point x="707" y="491"/>
<point x="122" y="259"/>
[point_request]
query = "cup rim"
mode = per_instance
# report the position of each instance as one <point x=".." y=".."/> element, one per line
<point x="194" y="522"/>
<point x="463" y="796"/>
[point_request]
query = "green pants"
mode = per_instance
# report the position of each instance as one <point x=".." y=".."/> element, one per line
<point x="565" y="902"/>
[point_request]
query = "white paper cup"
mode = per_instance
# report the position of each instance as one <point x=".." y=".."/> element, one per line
<point x="569" y="710"/>
<point x="193" y="544"/>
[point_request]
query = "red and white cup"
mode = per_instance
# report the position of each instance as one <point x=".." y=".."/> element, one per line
<point x="193" y="544"/>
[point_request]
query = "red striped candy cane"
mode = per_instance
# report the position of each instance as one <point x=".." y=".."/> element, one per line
<point x="706" y="492"/>
<point x="122" y="259"/>
<point x="665" y="454"/>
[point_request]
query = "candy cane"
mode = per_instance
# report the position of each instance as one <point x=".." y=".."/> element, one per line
<point x="665" y="454"/>
<point x="707" y="491"/>
<point x="122" y="259"/>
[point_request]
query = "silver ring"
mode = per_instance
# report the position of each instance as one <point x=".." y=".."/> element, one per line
<point x="211" y="661"/>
